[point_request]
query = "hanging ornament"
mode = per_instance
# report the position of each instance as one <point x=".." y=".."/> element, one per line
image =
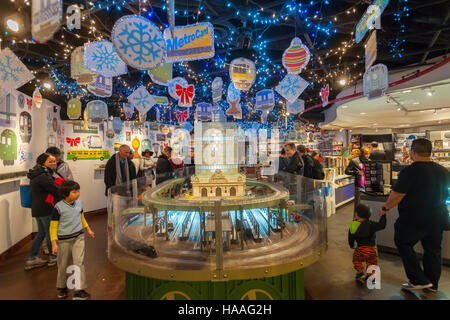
<point x="203" y="111"/>
<point x="73" y="109"/>
<point x="235" y="108"/>
<point x="324" y="92"/>
<point x="291" y="87"/>
<point x="295" y="107"/>
<point x="265" y="100"/>
<point x="296" y="57"/>
<point x="128" y="110"/>
<point x="46" y="17"/>
<point x="162" y="75"/>
<point x="138" y="42"/>
<point x="182" y="116"/>
<point x="185" y="95"/>
<point x="242" y="73"/>
<point x="216" y="88"/>
<point x="97" y="111"/>
<point x="13" y="73"/>
<point x="100" y="57"/>
<point x="141" y="100"/>
<point x="102" y="87"/>
<point x="171" y="88"/>
<point x="135" y="144"/>
<point x="78" y="71"/>
<point x="117" y="125"/>
<point x="37" y="98"/>
<point x="375" y="81"/>
<point x="73" y="17"/>
<point x="232" y="93"/>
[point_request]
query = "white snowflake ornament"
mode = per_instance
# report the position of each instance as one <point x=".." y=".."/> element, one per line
<point x="13" y="73"/>
<point x="142" y="100"/>
<point x="291" y="87"/>
<point x="100" y="56"/>
<point x="138" y="42"/>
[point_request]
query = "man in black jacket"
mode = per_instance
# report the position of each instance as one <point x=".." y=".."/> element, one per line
<point x="317" y="169"/>
<point x="115" y="176"/>
<point x="377" y="154"/>
<point x="164" y="170"/>
<point x="307" y="160"/>
<point x="295" y="165"/>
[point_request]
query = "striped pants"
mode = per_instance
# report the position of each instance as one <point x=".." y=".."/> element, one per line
<point x="367" y="254"/>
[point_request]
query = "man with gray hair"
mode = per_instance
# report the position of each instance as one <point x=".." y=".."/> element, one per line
<point x="119" y="169"/>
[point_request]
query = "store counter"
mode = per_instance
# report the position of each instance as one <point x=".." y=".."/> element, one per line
<point x="385" y="238"/>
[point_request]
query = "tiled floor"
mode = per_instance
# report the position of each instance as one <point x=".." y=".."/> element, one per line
<point x="332" y="277"/>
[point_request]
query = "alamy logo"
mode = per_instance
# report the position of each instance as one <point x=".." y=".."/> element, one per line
<point x="374" y="280"/>
<point x="74" y="280"/>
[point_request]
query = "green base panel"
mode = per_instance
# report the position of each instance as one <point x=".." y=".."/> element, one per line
<point x="288" y="286"/>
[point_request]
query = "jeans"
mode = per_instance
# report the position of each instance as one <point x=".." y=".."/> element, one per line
<point x="43" y="224"/>
<point x="406" y="237"/>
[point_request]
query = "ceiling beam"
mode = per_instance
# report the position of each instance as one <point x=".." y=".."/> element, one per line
<point x="436" y="36"/>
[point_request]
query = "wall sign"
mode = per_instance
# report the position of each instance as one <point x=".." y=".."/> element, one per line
<point x="102" y="58"/>
<point x="138" y="42"/>
<point x="102" y="87"/>
<point x="372" y="13"/>
<point x="8" y="147"/>
<point x="191" y="42"/>
<point x="46" y="17"/>
<point x="13" y="73"/>
<point x="242" y="73"/>
<point x="25" y="127"/>
<point x="375" y="81"/>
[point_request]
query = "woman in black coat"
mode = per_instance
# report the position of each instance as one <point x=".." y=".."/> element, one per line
<point x="164" y="170"/>
<point x="317" y="168"/>
<point x="44" y="193"/>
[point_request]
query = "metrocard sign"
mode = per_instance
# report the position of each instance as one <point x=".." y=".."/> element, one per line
<point x="372" y="13"/>
<point x="191" y="42"/>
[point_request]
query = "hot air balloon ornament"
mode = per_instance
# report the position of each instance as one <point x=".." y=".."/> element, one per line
<point x="296" y="57"/>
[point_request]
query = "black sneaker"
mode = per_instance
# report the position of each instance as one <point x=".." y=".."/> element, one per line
<point x="81" y="295"/>
<point x="62" y="293"/>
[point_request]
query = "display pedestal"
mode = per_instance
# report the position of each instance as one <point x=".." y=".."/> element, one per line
<point x="288" y="286"/>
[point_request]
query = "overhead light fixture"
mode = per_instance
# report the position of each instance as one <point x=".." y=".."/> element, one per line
<point x="13" y="25"/>
<point x="342" y="82"/>
<point x="407" y="91"/>
<point x="430" y="93"/>
<point x="18" y="25"/>
<point x="416" y="103"/>
<point x="399" y="109"/>
<point x="47" y="85"/>
<point x="363" y="113"/>
<point x="435" y="112"/>
<point x="344" y="107"/>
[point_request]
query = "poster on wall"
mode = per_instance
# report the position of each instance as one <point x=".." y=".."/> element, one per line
<point x="46" y="17"/>
<point x="8" y="147"/>
<point x="25" y="127"/>
<point x="102" y="87"/>
<point x="13" y="73"/>
<point x="100" y="57"/>
<point x="191" y="42"/>
<point x="138" y="42"/>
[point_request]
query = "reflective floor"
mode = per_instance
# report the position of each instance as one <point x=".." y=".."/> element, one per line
<point x="330" y="278"/>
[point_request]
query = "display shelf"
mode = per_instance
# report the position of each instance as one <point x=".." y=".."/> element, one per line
<point x="343" y="177"/>
<point x="441" y="150"/>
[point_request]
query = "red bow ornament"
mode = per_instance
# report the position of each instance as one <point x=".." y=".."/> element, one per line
<point x="182" y="116"/>
<point x="324" y="92"/>
<point x="73" y="142"/>
<point x="185" y="95"/>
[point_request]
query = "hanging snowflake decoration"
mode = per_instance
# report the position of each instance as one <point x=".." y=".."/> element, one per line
<point x="138" y="42"/>
<point x="142" y="100"/>
<point x="291" y="87"/>
<point x="100" y="56"/>
<point x="13" y="73"/>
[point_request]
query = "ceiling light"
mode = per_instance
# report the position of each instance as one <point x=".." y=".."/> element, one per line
<point x="407" y="91"/>
<point x="416" y="103"/>
<point x="342" y="82"/>
<point x="363" y="113"/>
<point x="13" y="25"/>
<point x="435" y="112"/>
<point x="398" y="109"/>
<point x="344" y="107"/>
<point x="47" y="85"/>
<point x="429" y="93"/>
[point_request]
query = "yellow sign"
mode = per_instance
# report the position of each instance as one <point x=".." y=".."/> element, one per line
<point x="192" y="42"/>
<point x="371" y="50"/>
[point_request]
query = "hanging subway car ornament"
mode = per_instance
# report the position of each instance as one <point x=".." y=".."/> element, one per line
<point x="242" y="73"/>
<point x="296" y="57"/>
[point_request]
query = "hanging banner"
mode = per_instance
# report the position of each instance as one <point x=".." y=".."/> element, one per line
<point x="13" y="73"/>
<point x="324" y="92"/>
<point x="265" y="100"/>
<point x="291" y="87"/>
<point x="78" y="71"/>
<point x="372" y="13"/>
<point x="97" y="111"/>
<point x="242" y="73"/>
<point x="163" y="101"/>
<point x="216" y="88"/>
<point x="162" y="75"/>
<point x="191" y="42"/>
<point x="138" y="42"/>
<point x="102" y="87"/>
<point x="375" y="81"/>
<point x="141" y="100"/>
<point x="171" y="88"/>
<point x="74" y="109"/>
<point x="296" y="57"/>
<point x="46" y="17"/>
<point x="37" y="98"/>
<point x="100" y="57"/>
<point x="203" y="111"/>
<point x="185" y="95"/>
<point x="371" y="49"/>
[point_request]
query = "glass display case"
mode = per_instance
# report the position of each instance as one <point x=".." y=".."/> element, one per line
<point x="174" y="245"/>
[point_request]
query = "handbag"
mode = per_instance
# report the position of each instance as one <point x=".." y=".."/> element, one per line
<point x="25" y="196"/>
